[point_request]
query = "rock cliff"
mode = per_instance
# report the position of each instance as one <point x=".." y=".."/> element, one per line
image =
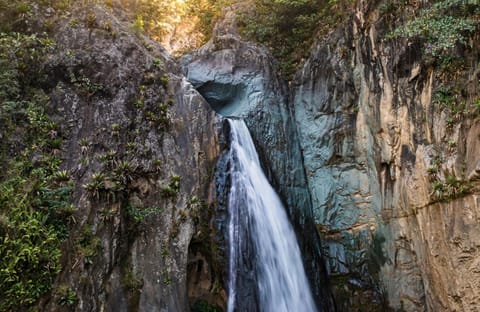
<point x="139" y="143"/>
<point x="388" y="163"/>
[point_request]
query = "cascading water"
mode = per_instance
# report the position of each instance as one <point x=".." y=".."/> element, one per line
<point x="277" y="265"/>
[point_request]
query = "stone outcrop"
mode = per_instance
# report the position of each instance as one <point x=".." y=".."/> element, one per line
<point x="130" y="119"/>
<point x="385" y="162"/>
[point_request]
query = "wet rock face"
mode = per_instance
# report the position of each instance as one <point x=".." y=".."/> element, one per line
<point x="238" y="79"/>
<point x="128" y="116"/>
<point x="372" y="137"/>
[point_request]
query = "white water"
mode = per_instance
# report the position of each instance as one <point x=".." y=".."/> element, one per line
<point x="281" y="280"/>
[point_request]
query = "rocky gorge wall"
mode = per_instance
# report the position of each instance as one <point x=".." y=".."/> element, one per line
<point x="239" y="80"/>
<point x="386" y="162"/>
<point x="379" y="176"/>
<point x="140" y="145"/>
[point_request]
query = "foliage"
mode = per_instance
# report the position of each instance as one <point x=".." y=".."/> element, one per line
<point x="124" y="172"/>
<point x="88" y="245"/>
<point x="172" y="189"/>
<point x="156" y="16"/>
<point x="131" y="282"/>
<point x="17" y="15"/>
<point x="160" y="17"/>
<point x="85" y="85"/>
<point x="34" y="193"/>
<point x="208" y="13"/>
<point x="160" y="116"/>
<point x="14" y="13"/>
<point x="205" y="306"/>
<point x="96" y="184"/>
<point x="442" y="26"/>
<point x="186" y="23"/>
<point x="138" y="24"/>
<point x="19" y="54"/>
<point x="138" y="214"/>
<point x="287" y="28"/>
<point x="449" y="188"/>
<point x="67" y="297"/>
<point x="457" y="105"/>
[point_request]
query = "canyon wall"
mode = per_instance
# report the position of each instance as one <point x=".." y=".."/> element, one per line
<point x="372" y="148"/>
<point x="239" y="80"/>
<point x="140" y="145"/>
<point x="388" y="166"/>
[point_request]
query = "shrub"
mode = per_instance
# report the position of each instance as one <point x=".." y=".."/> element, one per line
<point x="288" y="28"/>
<point x="35" y="197"/>
<point x="441" y="26"/>
<point x="88" y="245"/>
<point x="67" y="297"/>
<point x="96" y="185"/>
<point x="172" y="189"/>
<point x="138" y="214"/>
<point x="131" y="282"/>
<point x="432" y="170"/>
<point x="205" y="306"/>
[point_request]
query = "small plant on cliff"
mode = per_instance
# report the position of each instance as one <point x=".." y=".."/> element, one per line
<point x="164" y="81"/>
<point x="138" y="24"/>
<point x="124" y="171"/>
<point x="432" y="170"/>
<point x="172" y="189"/>
<point x="61" y="176"/>
<point x="88" y="87"/>
<point x="96" y="184"/>
<point x="88" y="245"/>
<point x="130" y="281"/>
<point x="67" y="296"/>
<point x="157" y="63"/>
<point x="163" y="118"/>
<point x="476" y="104"/>
<point x="115" y="129"/>
<point x="91" y="20"/>
<point x="159" y="117"/>
<point x="138" y="214"/>
<point x="449" y="188"/>
<point x="84" y="145"/>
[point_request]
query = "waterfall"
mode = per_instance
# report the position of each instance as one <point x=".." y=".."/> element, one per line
<point x="277" y="265"/>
